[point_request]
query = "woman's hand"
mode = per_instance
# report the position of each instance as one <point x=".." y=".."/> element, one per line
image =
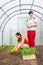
<point x="33" y="25"/>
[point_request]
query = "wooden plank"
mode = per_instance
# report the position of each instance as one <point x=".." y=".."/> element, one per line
<point x="33" y="56"/>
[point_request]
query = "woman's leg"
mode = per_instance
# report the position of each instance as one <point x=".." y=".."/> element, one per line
<point x="31" y="37"/>
<point x="25" y="45"/>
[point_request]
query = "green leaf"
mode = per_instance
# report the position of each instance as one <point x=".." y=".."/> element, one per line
<point x="2" y="47"/>
<point x="28" y="51"/>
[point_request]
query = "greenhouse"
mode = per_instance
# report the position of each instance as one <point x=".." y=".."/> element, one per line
<point x="13" y="17"/>
<point x="14" y="11"/>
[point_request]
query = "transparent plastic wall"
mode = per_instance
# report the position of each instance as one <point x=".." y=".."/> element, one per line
<point x="13" y="14"/>
<point x="39" y="29"/>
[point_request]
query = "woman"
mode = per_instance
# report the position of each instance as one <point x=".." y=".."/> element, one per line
<point x="21" y="42"/>
<point x="31" y="29"/>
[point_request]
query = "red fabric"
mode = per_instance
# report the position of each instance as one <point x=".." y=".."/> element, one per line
<point x="25" y="40"/>
<point x="31" y="37"/>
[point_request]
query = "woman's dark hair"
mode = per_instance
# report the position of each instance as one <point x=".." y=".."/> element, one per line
<point x="18" y="34"/>
<point x="19" y="40"/>
<point x="30" y="12"/>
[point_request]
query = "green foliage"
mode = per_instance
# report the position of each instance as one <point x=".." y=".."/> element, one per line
<point x="2" y="47"/>
<point x="26" y="20"/>
<point x="10" y="48"/>
<point x="11" y="41"/>
<point x="28" y="51"/>
<point x="11" y="44"/>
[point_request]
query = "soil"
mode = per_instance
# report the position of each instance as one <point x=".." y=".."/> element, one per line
<point x="16" y="58"/>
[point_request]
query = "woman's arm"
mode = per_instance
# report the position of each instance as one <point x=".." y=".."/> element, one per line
<point x="21" y="43"/>
<point x="16" y="44"/>
<point x="34" y="25"/>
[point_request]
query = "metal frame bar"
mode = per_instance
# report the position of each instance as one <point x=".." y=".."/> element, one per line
<point x="19" y="5"/>
<point x="32" y="4"/>
<point x="15" y="14"/>
<point x="7" y="22"/>
<point x="16" y="11"/>
<point x="7" y="3"/>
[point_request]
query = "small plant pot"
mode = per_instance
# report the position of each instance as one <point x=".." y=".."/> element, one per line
<point x="29" y="57"/>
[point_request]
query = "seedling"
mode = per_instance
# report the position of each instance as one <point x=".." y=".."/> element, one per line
<point x="28" y="51"/>
<point x="2" y="47"/>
